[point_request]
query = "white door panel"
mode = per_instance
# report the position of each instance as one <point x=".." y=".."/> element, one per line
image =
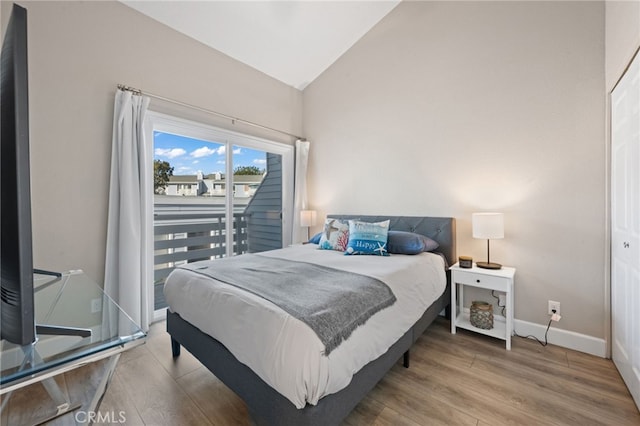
<point x="625" y="227"/>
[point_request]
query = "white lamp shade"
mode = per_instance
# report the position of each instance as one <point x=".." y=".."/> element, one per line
<point x="488" y="226"/>
<point x="308" y="217"/>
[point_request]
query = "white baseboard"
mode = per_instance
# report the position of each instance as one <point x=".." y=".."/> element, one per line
<point x="564" y="338"/>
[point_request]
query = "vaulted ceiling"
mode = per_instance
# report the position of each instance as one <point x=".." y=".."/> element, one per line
<point x="292" y="41"/>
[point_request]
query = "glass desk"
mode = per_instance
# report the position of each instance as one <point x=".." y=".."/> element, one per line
<point x="102" y="330"/>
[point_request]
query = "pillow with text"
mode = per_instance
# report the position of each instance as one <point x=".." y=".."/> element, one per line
<point x="368" y="238"/>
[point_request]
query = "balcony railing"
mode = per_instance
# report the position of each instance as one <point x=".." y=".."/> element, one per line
<point x="186" y="230"/>
<point x="194" y="238"/>
<point x="184" y="234"/>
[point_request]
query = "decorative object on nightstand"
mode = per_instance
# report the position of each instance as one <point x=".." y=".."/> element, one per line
<point x="489" y="226"/>
<point x="308" y="219"/>
<point x="481" y="315"/>
<point x="465" y="261"/>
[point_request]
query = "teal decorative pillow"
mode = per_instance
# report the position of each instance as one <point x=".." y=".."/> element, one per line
<point x="335" y="235"/>
<point x="368" y="238"/>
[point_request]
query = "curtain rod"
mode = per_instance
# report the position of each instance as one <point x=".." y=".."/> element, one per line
<point x="208" y="111"/>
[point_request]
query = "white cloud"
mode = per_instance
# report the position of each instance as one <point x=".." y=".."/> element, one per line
<point x="206" y="151"/>
<point x="222" y="150"/>
<point x="202" y="152"/>
<point x="170" y="153"/>
<point x="260" y="161"/>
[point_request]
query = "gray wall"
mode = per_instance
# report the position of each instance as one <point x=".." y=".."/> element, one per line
<point x="622" y="37"/>
<point x="448" y="108"/>
<point x="78" y="53"/>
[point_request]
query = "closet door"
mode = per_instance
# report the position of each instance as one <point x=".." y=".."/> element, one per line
<point x="625" y="227"/>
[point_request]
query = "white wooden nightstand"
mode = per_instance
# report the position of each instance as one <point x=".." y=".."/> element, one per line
<point x="501" y="280"/>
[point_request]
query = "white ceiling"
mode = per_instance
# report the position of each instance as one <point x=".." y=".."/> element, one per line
<point x="292" y="41"/>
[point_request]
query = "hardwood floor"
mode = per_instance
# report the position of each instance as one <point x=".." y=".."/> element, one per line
<point x="462" y="379"/>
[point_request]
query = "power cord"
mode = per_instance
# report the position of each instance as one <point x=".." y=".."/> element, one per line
<point x="498" y="299"/>
<point x="530" y="336"/>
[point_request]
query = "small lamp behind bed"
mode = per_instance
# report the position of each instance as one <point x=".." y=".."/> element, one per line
<point x="308" y="219"/>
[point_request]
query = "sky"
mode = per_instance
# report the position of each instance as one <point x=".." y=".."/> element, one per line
<point x="187" y="156"/>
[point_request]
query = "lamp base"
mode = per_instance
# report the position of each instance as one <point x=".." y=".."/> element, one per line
<point x="488" y="265"/>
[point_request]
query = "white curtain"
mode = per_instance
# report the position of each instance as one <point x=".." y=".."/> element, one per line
<point x="128" y="260"/>
<point x="300" y="190"/>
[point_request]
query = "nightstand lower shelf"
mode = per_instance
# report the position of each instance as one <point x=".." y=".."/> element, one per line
<point x="499" y="329"/>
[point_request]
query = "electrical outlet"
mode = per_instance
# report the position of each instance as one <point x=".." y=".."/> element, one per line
<point x="96" y="305"/>
<point x="553" y="305"/>
<point x="502" y="300"/>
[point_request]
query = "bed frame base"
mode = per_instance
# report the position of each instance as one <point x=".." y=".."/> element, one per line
<point x="267" y="406"/>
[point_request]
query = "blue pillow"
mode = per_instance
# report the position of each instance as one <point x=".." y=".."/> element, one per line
<point x="316" y="238"/>
<point x="402" y="242"/>
<point x="368" y="238"/>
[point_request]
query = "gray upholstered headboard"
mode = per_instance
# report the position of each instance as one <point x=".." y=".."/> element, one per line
<point x="440" y="229"/>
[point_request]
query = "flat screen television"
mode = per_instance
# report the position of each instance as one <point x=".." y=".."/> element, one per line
<point x="16" y="271"/>
<point x="17" y="314"/>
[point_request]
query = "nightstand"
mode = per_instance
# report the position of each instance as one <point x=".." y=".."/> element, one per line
<point x="500" y="280"/>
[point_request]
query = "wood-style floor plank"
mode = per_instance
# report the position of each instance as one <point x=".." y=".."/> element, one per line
<point x="465" y="391"/>
<point x="218" y="403"/>
<point x="158" y="345"/>
<point x="576" y="388"/>
<point x="117" y="401"/>
<point x="461" y="379"/>
<point x="365" y="413"/>
<point x="415" y="396"/>
<point x="542" y="383"/>
<point x="40" y="406"/>
<point x="390" y="417"/>
<point x="158" y="398"/>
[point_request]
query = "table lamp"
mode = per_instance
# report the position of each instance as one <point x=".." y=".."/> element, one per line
<point x="307" y="219"/>
<point x="489" y="226"/>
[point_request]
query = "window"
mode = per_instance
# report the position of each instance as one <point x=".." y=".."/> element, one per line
<point x="217" y="193"/>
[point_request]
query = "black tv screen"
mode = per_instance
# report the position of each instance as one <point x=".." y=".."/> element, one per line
<point x="16" y="271"/>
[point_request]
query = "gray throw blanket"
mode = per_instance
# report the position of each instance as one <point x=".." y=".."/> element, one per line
<point x="330" y="301"/>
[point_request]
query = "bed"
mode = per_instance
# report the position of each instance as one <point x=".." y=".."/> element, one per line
<point x="257" y="387"/>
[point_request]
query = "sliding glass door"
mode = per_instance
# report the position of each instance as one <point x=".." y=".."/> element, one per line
<point x="216" y="193"/>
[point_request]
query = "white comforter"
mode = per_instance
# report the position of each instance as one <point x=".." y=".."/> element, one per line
<point x="284" y="351"/>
